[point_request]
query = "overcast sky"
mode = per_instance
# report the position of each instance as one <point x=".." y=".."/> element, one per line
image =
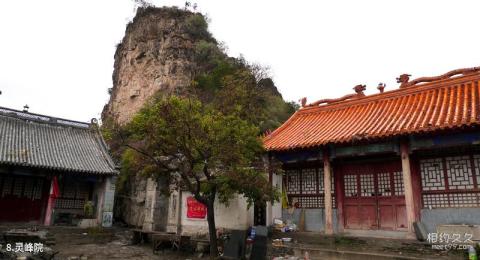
<point x="57" y="56"/>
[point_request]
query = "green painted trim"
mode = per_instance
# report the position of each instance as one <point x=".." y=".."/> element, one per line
<point x="365" y="149"/>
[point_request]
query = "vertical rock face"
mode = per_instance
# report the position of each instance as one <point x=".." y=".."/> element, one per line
<point x="156" y="54"/>
<point x="159" y="55"/>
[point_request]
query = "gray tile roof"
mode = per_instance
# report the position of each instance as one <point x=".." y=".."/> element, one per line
<point x="34" y="140"/>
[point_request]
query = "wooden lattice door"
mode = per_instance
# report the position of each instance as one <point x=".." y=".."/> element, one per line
<point x="373" y="196"/>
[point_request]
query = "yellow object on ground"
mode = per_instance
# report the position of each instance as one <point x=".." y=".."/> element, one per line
<point x="284" y="198"/>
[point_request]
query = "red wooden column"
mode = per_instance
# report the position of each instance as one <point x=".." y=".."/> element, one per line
<point x="407" y="182"/>
<point x="327" y="184"/>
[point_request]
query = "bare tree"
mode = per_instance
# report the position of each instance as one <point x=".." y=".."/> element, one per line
<point x="260" y="71"/>
<point x="142" y="3"/>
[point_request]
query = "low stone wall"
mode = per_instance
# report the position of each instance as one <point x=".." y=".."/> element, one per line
<point x="314" y="219"/>
<point x="433" y="217"/>
<point x="142" y="205"/>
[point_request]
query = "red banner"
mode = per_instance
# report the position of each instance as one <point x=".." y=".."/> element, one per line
<point x="55" y="191"/>
<point x="195" y="209"/>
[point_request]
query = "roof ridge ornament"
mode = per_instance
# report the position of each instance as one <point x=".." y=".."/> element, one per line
<point x="359" y="89"/>
<point x="404" y="79"/>
<point x="381" y="87"/>
<point x="359" y="93"/>
<point x="303" y="101"/>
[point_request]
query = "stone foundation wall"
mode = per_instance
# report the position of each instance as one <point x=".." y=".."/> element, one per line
<point x="314" y="219"/>
<point x="130" y="205"/>
<point x="433" y="217"/>
<point x="143" y="205"/>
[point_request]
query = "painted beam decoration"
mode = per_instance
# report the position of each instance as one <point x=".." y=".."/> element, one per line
<point x="441" y="141"/>
<point x="195" y="209"/>
<point x="358" y="150"/>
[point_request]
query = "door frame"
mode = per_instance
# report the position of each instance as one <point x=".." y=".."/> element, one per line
<point x="375" y="168"/>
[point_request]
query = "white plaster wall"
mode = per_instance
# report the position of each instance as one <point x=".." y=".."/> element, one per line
<point x="150" y="199"/>
<point x="105" y="191"/>
<point x="276" y="207"/>
<point x="108" y="200"/>
<point x="99" y="190"/>
<point x="235" y="216"/>
<point x="173" y="218"/>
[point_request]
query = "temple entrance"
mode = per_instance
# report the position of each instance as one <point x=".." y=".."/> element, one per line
<point x="373" y="196"/>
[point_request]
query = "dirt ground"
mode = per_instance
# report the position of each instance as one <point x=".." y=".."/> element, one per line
<point x="381" y="246"/>
<point x="108" y="244"/>
<point x="73" y="243"/>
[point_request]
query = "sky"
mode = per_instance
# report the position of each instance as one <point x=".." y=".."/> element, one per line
<point x="57" y="56"/>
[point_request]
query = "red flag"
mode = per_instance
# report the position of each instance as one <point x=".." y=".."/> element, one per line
<point x="55" y="191"/>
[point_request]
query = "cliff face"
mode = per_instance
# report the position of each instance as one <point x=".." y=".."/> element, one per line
<point x="169" y="51"/>
<point x="156" y="54"/>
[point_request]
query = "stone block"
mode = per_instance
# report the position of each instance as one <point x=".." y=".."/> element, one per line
<point x="87" y="223"/>
<point x="474" y="230"/>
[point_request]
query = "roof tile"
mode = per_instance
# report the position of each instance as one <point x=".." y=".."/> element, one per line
<point x="442" y="102"/>
<point x="32" y="140"/>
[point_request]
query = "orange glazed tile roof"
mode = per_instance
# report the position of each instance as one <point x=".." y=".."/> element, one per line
<point x="419" y="106"/>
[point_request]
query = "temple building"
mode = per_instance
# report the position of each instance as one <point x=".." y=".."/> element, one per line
<point x="376" y="164"/>
<point x="50" y="168"/>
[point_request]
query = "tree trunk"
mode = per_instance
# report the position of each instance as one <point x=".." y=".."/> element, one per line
<point x="212" y="229"/>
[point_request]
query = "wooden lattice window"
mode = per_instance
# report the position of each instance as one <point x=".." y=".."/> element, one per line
<point x="305" y="187"/>
<point x="384" y="184"/>
<point x="18" y="187"/>
<point x="21" y="187"/>
<point x="459" y="173"/>
<point x="321" y="183"/>
<point x="28" y="190"/>
<point x="73" y="194"/>
<point x="37" y="189"/>
<point x="476" y="161"/>
<point x="432" y="174"/>
<point x="367" y="185"/>
<point x="311" y="201"/>
<point x="398" y="183"/>
<point x="293" y="181"/>
<point x="451" y="181"/>
<point x="308" y="202"/>
<point x="351" y="185"/>
<point x="309" y="183"/>
<point x="7" y="186"/>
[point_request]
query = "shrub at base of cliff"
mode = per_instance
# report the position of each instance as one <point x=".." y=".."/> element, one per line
<point x="197" y="147"/>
